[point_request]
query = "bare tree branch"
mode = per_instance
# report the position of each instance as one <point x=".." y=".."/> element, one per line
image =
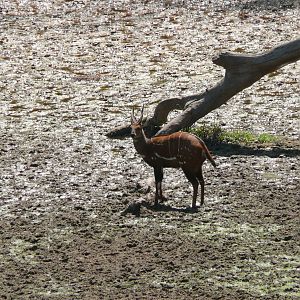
<point x="241" y="72"/>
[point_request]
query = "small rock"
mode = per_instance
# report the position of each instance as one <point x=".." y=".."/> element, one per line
<point x="133" y="208"/>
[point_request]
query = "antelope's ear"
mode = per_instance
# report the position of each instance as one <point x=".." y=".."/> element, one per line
<point x="133" y="118"/>
<point x="142" y="114"/>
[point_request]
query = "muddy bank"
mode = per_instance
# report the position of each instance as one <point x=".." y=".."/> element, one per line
<point x="70" y="71"/>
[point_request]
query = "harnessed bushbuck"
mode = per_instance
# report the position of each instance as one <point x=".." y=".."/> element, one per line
<point x="177" y="150"/>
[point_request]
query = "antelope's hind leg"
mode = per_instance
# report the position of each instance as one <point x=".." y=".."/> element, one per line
<point x="201" y="181"/>
<point x="194" y="181"/>
<point x="158" y="173"/>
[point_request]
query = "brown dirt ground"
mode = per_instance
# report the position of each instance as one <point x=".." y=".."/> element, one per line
<point x="64" y="184"/>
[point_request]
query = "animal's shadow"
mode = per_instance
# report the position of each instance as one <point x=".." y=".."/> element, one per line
<point x="135" y="208"/>
<point x="168" y="208"/>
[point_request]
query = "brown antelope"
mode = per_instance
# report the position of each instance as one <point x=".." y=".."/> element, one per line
<point x="177" y="150"/>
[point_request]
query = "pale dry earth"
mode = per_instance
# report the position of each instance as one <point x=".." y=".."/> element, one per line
<point x="69" y="72"/>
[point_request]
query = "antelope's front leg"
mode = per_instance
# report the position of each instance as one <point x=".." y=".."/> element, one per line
<point x="158" y="173"/>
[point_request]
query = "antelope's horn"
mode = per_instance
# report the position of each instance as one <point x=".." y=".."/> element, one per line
<point x="142" y="113"/>
<point x="133" y="118"/>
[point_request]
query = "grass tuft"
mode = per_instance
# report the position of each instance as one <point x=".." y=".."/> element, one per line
<point x="215" y="134"/>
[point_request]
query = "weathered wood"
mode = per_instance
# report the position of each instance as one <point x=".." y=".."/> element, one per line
<point x="241" y="72"/>
<point x="119" y="132"/>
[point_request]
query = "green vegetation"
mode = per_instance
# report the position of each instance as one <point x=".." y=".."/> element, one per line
<point x="215" y="134"/>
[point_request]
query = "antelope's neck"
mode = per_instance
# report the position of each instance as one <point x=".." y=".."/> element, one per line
<point x="141" y="145"/>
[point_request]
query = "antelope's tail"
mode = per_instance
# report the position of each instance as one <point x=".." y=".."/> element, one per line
<point x="207" y="153"/>
<point x="209" y="157"/>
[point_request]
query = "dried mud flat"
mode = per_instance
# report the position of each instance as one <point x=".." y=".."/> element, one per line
<point x="72" y="70"/>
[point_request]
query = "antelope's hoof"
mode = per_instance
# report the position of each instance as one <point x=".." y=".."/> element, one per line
<point x="163" y="199"/>
<point x="192" y="209"/>
<point x="157" y="206"/>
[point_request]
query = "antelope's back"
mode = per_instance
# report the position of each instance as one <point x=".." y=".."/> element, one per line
<point x="178" y="144"/>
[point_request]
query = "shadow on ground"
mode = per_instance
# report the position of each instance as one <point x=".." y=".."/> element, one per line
<point x="225" y="149"/>
<point x="135" y="208"/>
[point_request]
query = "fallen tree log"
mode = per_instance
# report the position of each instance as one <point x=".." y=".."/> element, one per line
<point x="241" y="72"/>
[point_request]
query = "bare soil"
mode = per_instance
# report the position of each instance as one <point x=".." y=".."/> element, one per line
<point x="70" y="71"/>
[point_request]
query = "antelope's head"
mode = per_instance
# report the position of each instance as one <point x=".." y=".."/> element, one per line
<point x="136" y="125"/>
